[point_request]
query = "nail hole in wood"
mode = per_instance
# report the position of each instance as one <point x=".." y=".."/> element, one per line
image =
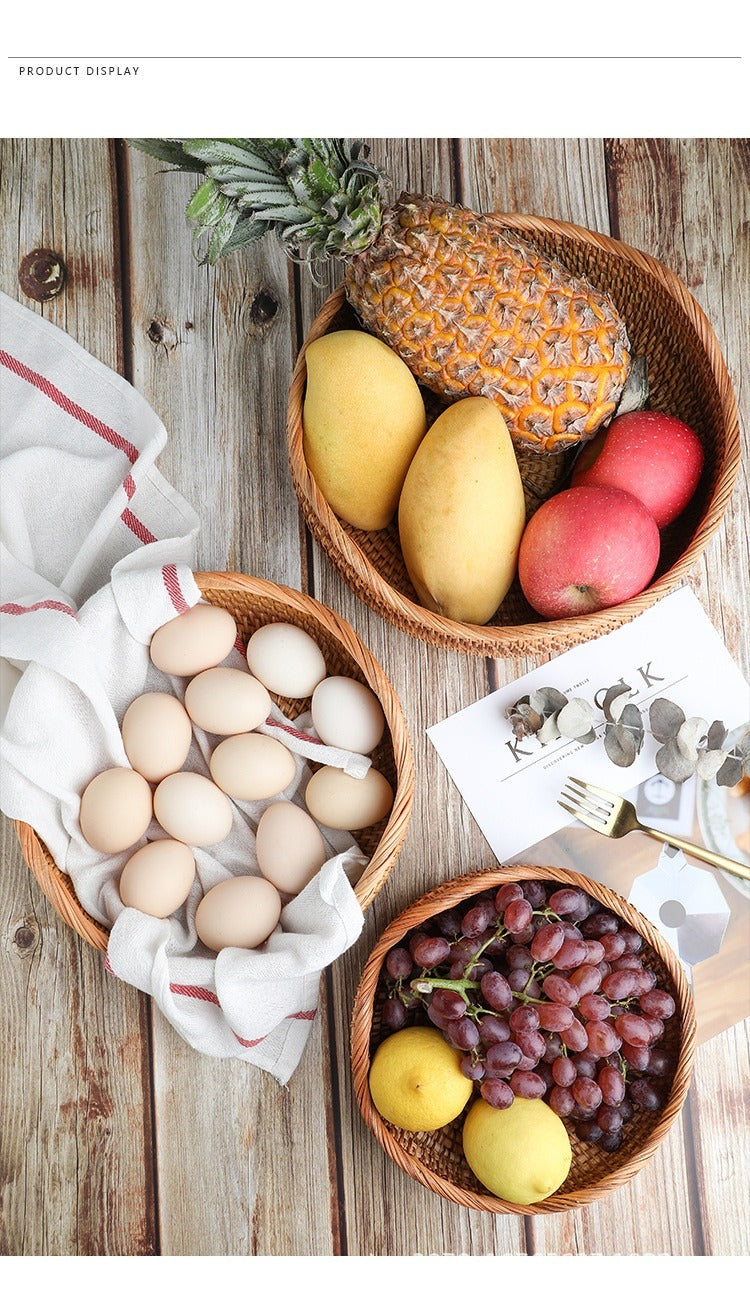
<point x="263" y="308"/>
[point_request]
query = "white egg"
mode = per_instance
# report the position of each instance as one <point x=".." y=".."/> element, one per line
<point x="116" y="809"/>
<point x="158" y="878"/>
<point x="252" y="766"/>
<point x="192" y="809"/>
<point x="197" y="640"/>
<point x="289" y="847"/>
<point x="157" y="734"/>
<point x="239" y="912"/>
<point x="348" y="803"/>
<point x="227" y="701"/>
<point x="286" y="659"/>
<point x="348" y="714"/>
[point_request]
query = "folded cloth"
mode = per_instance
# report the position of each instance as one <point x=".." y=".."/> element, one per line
<point x="96" y="551"/>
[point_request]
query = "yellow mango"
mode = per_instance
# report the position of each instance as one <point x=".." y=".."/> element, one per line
<point x="363" y="419"/>
<point x="462" y="513"/>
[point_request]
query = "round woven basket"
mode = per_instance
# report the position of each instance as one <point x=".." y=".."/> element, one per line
<point x="688" y="378"/>
<point x="254" y="602"/>
<point x="435" y="1159"/>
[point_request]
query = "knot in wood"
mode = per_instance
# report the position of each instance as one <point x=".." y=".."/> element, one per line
<point x="42" y="274"/>
<point x="263" y="308"/>
<point x="161" y="333"/>
<point x="26" y="937"/>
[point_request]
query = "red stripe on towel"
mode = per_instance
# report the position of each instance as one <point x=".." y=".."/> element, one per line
<point x="139" y="529"/>
<point x="294" y="731"/>
<point x="12" y="608"/>
<point x="69" y="406"/>
<point x="172" y="585"/>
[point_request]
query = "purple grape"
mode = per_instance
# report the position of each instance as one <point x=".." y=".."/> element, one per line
<point x="450" y="1005"/>
<point x="658" y="1004"/>
<point x="524" y="1019"/>
<point x="496" y="1093"/>
<point x="449" y="923"/>
<point x="559" y="989"/>
<point x="532" y="1044"/>
<point x="496" y="990"/>
<point x="398" y="963"/>
<point x="636" y="1056"/>
<point x="644" y="1095"/>
<point x="633" y="940"/>
<point x="506" y="894"/>
<point x="628" y="962"/>
<point x="571" y="954"/>
<point x="519" y="958"/>
<point x="504" y="1055"/>
<point x="561" y="1101"/>
<point x="621" y="984"/>
<point x="471" y="1068"/>
<point x="524" y="936"/>
<point x="430" y="952"/>
<point x="478" y="969"/>
<point x="612" y="1085"/>
<point x="634" y="1030"/>
<point x="589" y="1131"/>
<point x="517" y="915"/>
<point x="464" y="949"/>
<point x="553" y="1049"/>
<point x="570" y="931"/>
<point x="587" y="978"/>
<point x="569" y="902"/>
<point x="564" y="1071"/>
<point x="534" y="892"/>
<point x="594" y="1006"/>
<point x="492" y="1029"/>
<point x="655" y="1026"/>
<point x="575" y="1037"/>
<point x="585" y="1065"/>
<point x="599" y="923"/>
<point x="394" y="1014"/>
<point x="594" y="951"/>
<point x="546" y="942"/>
<point x="626" y="1109"/>
<point x="463" y="1034"/>
<point x="554" y="1017"/>
<point x="614" y="945"/>
<point x="611" y="1140"/>
<point x="529" y="1086"/>
<point x="609" y="1119"/>
<point x="518" y="980"/>
<point x="603" y="1039"/>
<point x="478" y="918"/>
<point x="659" y="1063"/>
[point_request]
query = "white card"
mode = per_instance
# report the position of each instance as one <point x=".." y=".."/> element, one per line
<point x="511" y="787"/>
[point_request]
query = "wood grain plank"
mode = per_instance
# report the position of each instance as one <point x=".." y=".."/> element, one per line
<point x="687" y="201"/>
<point x="76" y="1121"/>
<point x="244" y="1165"/>
<point x="567" y="180"/>
<point x="386" y="1212"/>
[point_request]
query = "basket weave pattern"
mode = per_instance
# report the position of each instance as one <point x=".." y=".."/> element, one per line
<point x="688" y="379"/>
<point x="253" y="602"/>
<point x="435" y="1159"/>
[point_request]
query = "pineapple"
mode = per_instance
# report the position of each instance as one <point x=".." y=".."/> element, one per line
<point x="472" y="309"/>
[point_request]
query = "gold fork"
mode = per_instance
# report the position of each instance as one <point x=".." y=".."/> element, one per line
<point x="611" y="815"/>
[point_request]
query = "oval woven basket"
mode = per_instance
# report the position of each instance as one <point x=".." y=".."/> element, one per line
<point x="435" y="1159"/>
<point x="688" y="379"/>
<point x="253" y="602"/>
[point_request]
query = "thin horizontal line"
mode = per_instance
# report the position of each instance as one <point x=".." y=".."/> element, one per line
<point x="421" y="58"/>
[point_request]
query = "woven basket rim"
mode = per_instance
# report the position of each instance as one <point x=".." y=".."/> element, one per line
<point x="57" y="885"/>
<point x="448" y="894"/>
<point x="534" y="637"/>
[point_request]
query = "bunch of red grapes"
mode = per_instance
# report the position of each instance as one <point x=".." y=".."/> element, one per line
<point x="545" y="993"/>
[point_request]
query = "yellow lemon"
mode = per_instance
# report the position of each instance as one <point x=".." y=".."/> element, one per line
<point x="416" y="1080"/>
<point x="521" y="1154"/>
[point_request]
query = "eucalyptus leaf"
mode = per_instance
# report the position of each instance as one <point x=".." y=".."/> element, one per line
<point x="730" y="771"/>
<point x="673" y="764"/>
<point x="690" y="734"/>
<point x="532" y="720"/>
<point x="743" y="745"/>
<point x="710" y="762"/>
<point x="548" y="700"/>
<point x="665" y="719"/>
<point x="620" y="745"/>
<point x="577" y="718"/>
<point x="716" y="735"/>
<point x="587" y="738"/>
<point x="549" y="731"/>
<point x="632" y="719"/>
<point x="611" y="696"/>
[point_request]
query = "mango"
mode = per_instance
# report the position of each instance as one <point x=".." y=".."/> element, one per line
<point x="363" y="419"/>
<point x="462" y="513"/>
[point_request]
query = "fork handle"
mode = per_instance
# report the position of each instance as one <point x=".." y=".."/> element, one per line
<point x="704" y="855"/>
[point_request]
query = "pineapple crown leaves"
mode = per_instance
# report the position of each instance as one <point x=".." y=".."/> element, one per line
<point x="686" y="745"/>
<point x="321" y="197"/>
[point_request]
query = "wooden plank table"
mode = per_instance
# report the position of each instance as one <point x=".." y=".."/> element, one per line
<point x="117" y="1138"/>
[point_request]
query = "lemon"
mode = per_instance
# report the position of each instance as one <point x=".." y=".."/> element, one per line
<point x="521" y="1154"/>
<point x="416" y="1080"/>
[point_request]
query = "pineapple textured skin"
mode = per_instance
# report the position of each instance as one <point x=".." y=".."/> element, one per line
<point x="474" y="310"/>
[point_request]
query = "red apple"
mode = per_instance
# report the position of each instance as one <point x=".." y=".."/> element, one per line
<point x="587" y="548"/>
<point x="651" y="455"/>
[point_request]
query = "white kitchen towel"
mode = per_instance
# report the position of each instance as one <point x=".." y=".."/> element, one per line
<point x="96" y="551"/>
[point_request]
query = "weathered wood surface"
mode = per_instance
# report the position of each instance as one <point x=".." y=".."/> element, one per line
<point x="116" y="1137"/>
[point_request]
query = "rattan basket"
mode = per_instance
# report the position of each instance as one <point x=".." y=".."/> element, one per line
<point x="688" y="379"/>
<point x="435" y="1159"/>
<point x="253" y="602"/>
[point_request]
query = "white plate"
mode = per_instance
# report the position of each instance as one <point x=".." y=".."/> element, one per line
<point x="723" y="816"/>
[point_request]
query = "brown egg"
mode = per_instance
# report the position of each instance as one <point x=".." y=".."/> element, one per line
<point x="157" y="734"/>
<point x="240" y="912"/>
<point x="197" y="640"/>
<point x="289" y="847"/>
<point x="158" y="878"/>
<point x="252" y="766"/>
<point x="192" y="809"/>
<point x="116" y="808"/>
<point x="348" y="803"/>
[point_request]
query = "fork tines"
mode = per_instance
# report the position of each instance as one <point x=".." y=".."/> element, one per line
<point x="586" y="804"/>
